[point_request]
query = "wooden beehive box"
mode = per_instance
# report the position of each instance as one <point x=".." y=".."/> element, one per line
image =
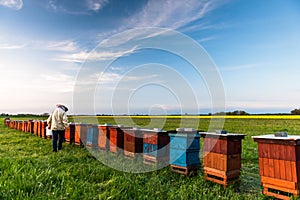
<point x="70" y="133"/>
<point x="184" y="151"/>
<point x="116" y="137"/>
<point x="6" y="120"/>
<point x="222" y="157"/>
<point x="80" y="134"/>
<point x="279" y="165"/>
<point x="92" y="135"/>
<point x="35" y="127"/>
<point x="24" y="126"/>
<point x="103" y="136"/>
<point x="133" y="142"/>
<point x="20" y="125"/>
<point x="155" y="146"/>
<point x="43" y="125"/>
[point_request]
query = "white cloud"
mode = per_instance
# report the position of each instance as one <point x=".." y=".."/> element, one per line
<point x="96" y="5"/>
<point x="82" y="7"/>
<point x="11" y="47"/>
<point x="13" y="4"/>
<point x="171" y="14"/>
<point x="67" y="46"/>
<point x="58" y="82"/>
<point x="94" y="55"/>
<point x="240" y="67"/>
<point x="163" y="14"/>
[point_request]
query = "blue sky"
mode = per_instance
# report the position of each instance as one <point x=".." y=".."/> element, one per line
<point x="45" y="44"/>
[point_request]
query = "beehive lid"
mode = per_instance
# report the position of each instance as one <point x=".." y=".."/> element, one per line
<point x="273" y="137"/>
<point x="154" y="131"/>
<point x="184" y="132"/>
<point x="221" y="135"/>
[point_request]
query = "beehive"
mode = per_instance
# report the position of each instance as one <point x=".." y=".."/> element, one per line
<point x="184" y="151"/>
<point x="133" y="142"/>
<point x="222" y="157"/>
<point x="279" y="164"/>
<point x="155" y="146"/>
<point x="116" y="136"/>
<point x="70" y="133"/>
<point x="80" y="134"/>
<point x="43" y="125"/>
<point x="103" y="136"/>
<point x="92" y="135"/>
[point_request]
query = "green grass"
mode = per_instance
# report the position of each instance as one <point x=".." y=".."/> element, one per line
<point x="29" y="169"/>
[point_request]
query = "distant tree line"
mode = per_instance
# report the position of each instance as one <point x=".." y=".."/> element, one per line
<point x="25" y="115"/>
<point x="236" y="112"/>
<point x="295" y="112"/>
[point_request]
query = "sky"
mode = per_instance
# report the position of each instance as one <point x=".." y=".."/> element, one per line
<point x="133" y="57"/>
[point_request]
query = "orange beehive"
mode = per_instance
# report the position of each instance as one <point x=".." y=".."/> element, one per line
<point x="31" y="126"/>
<point x="103" y="136"/>
<point x="35" y="127"/>
<point x="20" y="125"/>
<point x="279" y="165"/>
<point x="116" y="137"/>
<point x="43" y="125"/>
<point x="80" y="134"/>
<point x="222" y="157"/>
<point x="24" y="126"/>
<point x="70" y="133"/>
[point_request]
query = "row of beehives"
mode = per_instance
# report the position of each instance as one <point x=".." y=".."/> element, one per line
<point x="278" y="156"/>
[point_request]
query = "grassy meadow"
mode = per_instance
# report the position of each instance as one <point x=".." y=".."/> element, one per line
<point x="29" y="169"/>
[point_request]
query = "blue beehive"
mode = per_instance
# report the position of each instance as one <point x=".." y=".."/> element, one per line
<point x="92" y="135"/>
<point x="184" y="148"/>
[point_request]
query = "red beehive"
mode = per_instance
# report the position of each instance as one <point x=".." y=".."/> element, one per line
<point x="116" y="137"/>
<point x="133" y="142"/>
<point x="11" y="124"/>
<point x="222" y="157"/>
<point x="279" y="165"/>
<point x="16" y="124"/>
<point x="31" y="126"/>
<point x="70" y="133"/>
<point x="80" y="134"/>
<point x="155" y="144"/>
<point x="103" y="136"/>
